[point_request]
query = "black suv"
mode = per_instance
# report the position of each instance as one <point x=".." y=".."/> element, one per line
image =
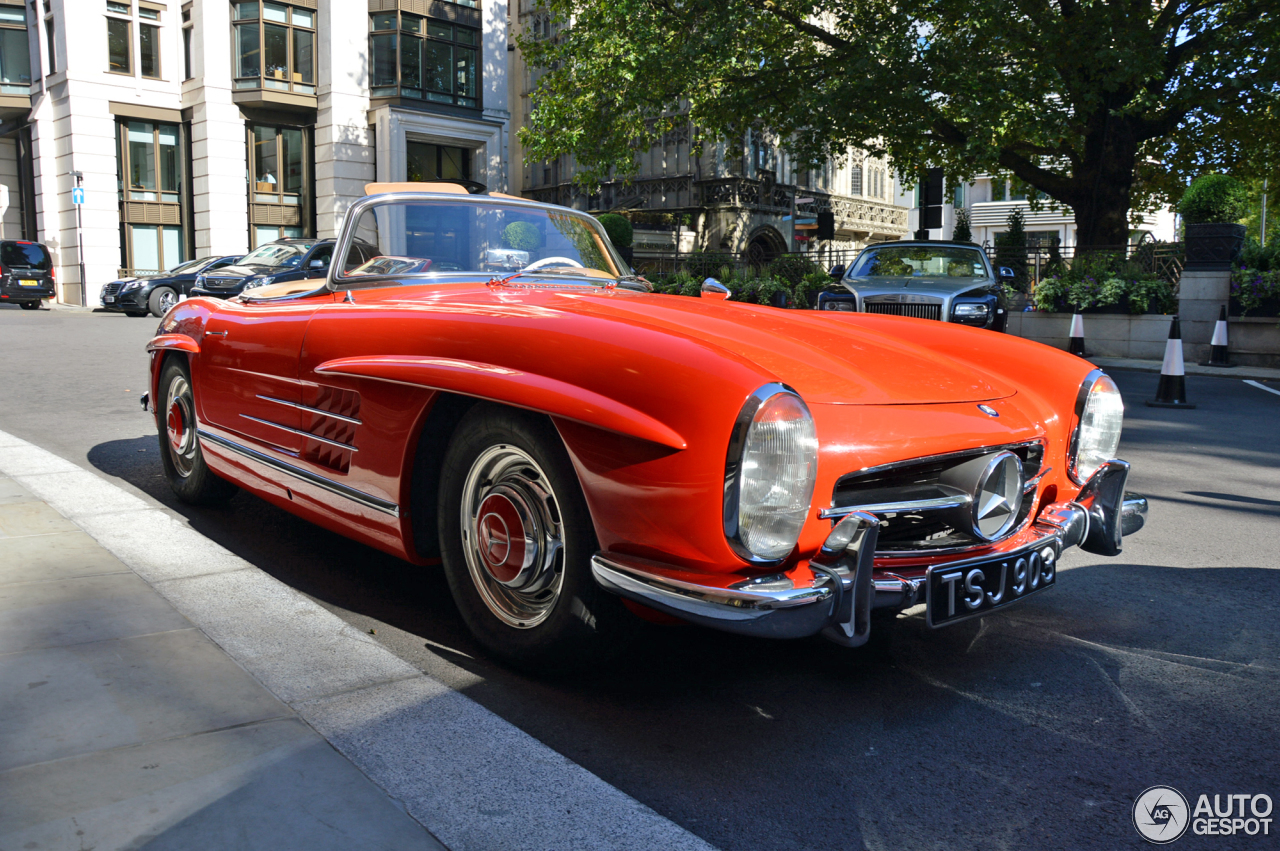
<point x="157" y="293"/>
<point x="26" y="273"/>
<point x="274" y="263"/>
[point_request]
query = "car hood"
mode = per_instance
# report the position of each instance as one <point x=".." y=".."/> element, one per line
<point x="940" y="287"/>
<point x="827" y="358"/>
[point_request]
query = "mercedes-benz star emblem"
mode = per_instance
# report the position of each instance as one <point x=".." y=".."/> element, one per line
<point x="988" y="410"/>
<point x="999" y="496"/>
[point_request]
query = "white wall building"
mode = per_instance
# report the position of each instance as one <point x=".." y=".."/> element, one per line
<point x="213" y="126"/>
<point x="990" y="201"/>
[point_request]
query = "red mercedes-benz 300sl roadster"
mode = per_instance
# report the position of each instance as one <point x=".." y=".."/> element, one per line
<point x="576" y="450"/>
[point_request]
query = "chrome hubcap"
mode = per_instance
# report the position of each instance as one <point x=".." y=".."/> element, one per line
<point x="180" y="422"/>
<point x="512" y="536"/>
<point x="167" y="301"/>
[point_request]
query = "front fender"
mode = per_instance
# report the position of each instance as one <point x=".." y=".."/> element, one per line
<point x="509" y="386"/>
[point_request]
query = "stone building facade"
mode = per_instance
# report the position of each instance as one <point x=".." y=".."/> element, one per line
<point x="213" y="126"/>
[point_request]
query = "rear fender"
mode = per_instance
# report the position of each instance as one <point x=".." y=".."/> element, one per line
<point x="509" y="387"/>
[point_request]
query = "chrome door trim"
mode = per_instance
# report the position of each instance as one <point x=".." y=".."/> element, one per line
<point x="311" y="410"/>
<point x="376" y="503"/>
<point x="298" y="431"/>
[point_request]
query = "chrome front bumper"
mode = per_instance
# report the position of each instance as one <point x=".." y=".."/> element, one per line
<point x="835" y="591"/>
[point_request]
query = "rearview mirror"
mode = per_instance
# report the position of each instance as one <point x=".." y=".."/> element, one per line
<point x="319" y="263"/>
<point x="837" y="271"/>
<point x="1006" y="274"/>
<point x="711" y="288"/>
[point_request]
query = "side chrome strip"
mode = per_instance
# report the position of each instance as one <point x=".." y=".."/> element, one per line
<point x="935" y="504"/>
<point x="307" y="476"/>
<point x="311" y="410"/>
<point x="345" y="446"/>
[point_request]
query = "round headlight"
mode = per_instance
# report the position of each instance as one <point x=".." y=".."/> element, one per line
<point x="769" y="475"/>
<point x="1098" y="434"/>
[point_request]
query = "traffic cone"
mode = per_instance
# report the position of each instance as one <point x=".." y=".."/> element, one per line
<point x="1076" y="346"/>
<point x="1171" y="392"/>
<point x="1218" y="345"/>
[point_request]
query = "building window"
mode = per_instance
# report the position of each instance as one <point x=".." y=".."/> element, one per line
<point x="15" y="52"/>
<point x="425" y="162"/>
<point x="274" y="47"/>
<point x="187" y="34"/>
<point x="423" y="59"/>
<point x="150" y="171"/>
<point x="997" y="190"/>
<point x="855" y="180"/>
<point x="280" y="190"/>
<point x="957" y="195"/>
<point x="49" y="35"/>
<point x="119" y="39"/>
<point x="149" y="50"/>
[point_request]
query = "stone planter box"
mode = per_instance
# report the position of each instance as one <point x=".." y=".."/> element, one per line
<point x="1213" y="246"/>
<point x="1254" y="341"/>
<point x="1110" y="335"/>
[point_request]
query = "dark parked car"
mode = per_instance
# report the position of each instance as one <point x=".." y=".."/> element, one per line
<point x="276" y="262"/>
<point x="947" y="281"/>
<point x="26" y="273"/>
<point x="157" y="293"/>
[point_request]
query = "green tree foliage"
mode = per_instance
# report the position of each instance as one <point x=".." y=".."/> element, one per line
<point x="1101" y="105"/>
<point x="618" y="228"/>
<point x="1214" y="198"/>
<point x="961" y="231"/>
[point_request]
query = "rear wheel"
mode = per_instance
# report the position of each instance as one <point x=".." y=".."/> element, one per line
<point x="184" y="465"/>
<point x="161" y="301"/>
<point x="30" y="305"/>
<point x="516" y="540"/>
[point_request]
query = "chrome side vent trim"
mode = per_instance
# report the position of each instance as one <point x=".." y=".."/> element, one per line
<point x="306" y="434"/>
<point x="311" y="410"/>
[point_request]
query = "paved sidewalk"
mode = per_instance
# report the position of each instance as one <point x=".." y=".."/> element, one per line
<point x="125" y="726"/>
<point x="158" y="691"/>
<point x="1256" y="373"/>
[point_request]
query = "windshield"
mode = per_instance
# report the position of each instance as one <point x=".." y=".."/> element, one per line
<point x="276" y="254"/>
<point x="190" y="265"/>
<point x="475" y="235"/>
<point x="914" y="261"/>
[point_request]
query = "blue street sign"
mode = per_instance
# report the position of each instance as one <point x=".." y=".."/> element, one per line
<point x="77" y="195"/>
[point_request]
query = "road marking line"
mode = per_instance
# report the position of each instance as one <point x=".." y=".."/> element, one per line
<point x="473" y="779"/>
<point x="1262" y="386"/>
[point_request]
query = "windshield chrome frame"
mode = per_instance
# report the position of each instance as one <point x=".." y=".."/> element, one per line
<point x="346" y="238"/>
<point x="986" y="261"/>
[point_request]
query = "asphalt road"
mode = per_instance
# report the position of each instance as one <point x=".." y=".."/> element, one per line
<point x="1035" y="728"/>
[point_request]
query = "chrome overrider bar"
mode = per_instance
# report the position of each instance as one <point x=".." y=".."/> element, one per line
<point x="838" y="598"/>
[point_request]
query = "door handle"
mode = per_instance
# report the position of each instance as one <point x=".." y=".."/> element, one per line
<point x="215" y="333"/>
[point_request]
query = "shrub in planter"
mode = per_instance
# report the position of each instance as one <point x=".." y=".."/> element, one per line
<point x="1086" y="292"/>
<point x="1210" y="207"/>
<point x="522" y="236"/>
<point x="961" y="232"/>
<point x="793" y="267"/>
<point x="619" y="229"/>
<point x="1256" y="290"/>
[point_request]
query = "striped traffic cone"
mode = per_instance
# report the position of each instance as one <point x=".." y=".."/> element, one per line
<point x="1076" y="346"/>
<point x="1218" y="345"/>
<point x="1171" y="392"/>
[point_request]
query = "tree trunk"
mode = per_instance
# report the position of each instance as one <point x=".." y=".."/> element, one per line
<point x="1102" y="185"/>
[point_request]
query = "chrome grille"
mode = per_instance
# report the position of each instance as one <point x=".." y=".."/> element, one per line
<point x="919" y="311"/>
<point x="908" y="533"/>
<point x="112" y="288"/>
<point x="222" y="283"/>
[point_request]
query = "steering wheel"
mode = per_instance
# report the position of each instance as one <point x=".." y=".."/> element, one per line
<point x="552" y="261"/>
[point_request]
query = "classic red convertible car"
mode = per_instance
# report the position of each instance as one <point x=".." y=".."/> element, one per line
<point x="575" y="449"/>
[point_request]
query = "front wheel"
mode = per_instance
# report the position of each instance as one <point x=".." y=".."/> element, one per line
<point x="516" y="540"/>
<point x="161" y="301"/>
<point x="184" y="464"/>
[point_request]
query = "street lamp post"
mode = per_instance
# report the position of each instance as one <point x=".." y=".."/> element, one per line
<point x="84" y="297"/>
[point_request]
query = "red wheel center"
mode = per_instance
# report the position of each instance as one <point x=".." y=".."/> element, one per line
<point x="501" y="537"/>
<point x="177" y="425"/>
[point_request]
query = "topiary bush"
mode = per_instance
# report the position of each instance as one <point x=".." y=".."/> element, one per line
<point x="522" y="236"/>
<point x="619" y="229"/>
<point x="1214" y="198"/>
<point x="961" y="232"/>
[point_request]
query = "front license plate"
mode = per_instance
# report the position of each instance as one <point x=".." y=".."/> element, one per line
<point x="27" y="282"/>
<point x="964" y="590"/>
<point x="108" y="299"/>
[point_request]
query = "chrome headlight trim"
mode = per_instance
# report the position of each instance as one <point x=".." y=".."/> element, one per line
<point x="735" y="457"/>
<point x="1082" y="401"/>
